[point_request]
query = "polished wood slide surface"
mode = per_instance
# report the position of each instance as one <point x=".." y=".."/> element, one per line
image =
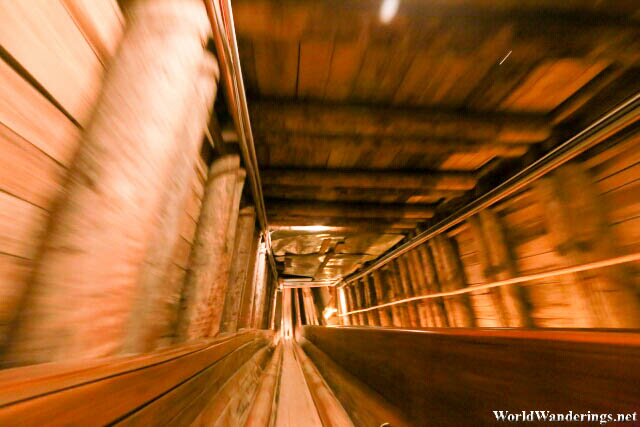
<point x="169" y="387"/>
<point x="460" y="376"/>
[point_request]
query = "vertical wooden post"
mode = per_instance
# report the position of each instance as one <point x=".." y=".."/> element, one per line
<point x="351" y="303"/>
<point x="432" y="285"/>
<point x="513" y="298"/>
<point x="277" y="309"/>
<point x="383" y="314"/>
<point x="401" y="272"/>
<point x="374" y="318"/>
<point x="260" y="286"/>
<point x="206" y="280"/>
<point x="401" y="312"/>
<point x="450" y="273"/>
<point x="311" y="307"/>
<point x="248" y="293"/>
<point x="424" y="309"/>
<point x="307" y="308"/>
<point x="558" y="228"/>
<point x="84" y="281"/>
<point x="298" y="306"/>
<point x="239" y="269"/>
<point x="497" y="314"/>
<point x="158" y="297"/>
<point x="334" y="295"/>
<point x="359" y="289"/>
<point x="288" y="312"/>
<point x="217" y="300"/>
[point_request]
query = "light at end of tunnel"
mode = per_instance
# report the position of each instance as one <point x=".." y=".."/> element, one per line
<point x="388" y="10"/>
<point x="328" y="312"/>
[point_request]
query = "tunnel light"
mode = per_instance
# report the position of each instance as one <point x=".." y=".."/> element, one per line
<point x="328" y="312"/>
<point x="388" y="10"/>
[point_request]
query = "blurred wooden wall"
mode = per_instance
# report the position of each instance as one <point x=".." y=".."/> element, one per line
<point x="585" y="211"/>
<point x="53" y="55"/>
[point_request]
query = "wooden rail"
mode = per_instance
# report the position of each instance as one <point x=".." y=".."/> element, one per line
<point x="460" y="376"/>
<point x="169" y="387"/>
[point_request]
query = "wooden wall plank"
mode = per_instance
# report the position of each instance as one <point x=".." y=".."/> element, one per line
<point x="21" y="226"/>
<point x="53" y="133"/>
<point x="27" y="172"/>
<point x="54" y="52"/>
<point x="101" y="22"/>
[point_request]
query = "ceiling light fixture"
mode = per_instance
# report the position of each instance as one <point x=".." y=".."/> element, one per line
<point x="388" y="10"/>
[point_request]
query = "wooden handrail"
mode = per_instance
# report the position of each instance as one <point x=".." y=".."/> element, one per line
<point x="159" y="386"/>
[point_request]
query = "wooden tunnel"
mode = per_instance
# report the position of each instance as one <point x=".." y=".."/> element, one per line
<point x="318" y="213"/>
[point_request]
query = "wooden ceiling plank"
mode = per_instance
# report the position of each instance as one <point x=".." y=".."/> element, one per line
<point x="347" y="210"/>
<point x="315" y="62"/>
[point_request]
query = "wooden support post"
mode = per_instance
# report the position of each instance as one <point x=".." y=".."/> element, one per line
<point x="158" y="298"/>
<point x="558" y="229"/>
<point x="383" y="313"/>
<point x="206" y="280"/>
<point x="217" y="304"/>
<point x="451" y="278"/>
<point x="417" y="280"/>
<point x="399" y="312"/>
<point x="307" y="308"/>
<point x="350" y="300"/>
<point x="490" y="297"/>
<point x="84" y="282"/>
<point x="432" y="285"/>
<point x="412" y="308"/>
<point x="269" y="307"/>
<point x="298" y="306"/>
<point x="239" y="269"/>
<point x="313" y="313"/>
<point x="248" y="293"/>
<point x="516" y="311"/>
<point x="335" y="292"/>
<point x="369" y="298"/>
<point x="260" y="286"/>
<point x="358" y="286"/>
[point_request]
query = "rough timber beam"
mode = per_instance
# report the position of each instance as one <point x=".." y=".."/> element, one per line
<point x="374" y="195"/>
<point x="366" y="121"/>
<point x="369" y="179"/>
<point x="347" y="210"/>
<point x="411" y="145"/>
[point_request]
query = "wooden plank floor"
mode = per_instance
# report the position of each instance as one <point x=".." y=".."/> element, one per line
<point x="295" y="405"/>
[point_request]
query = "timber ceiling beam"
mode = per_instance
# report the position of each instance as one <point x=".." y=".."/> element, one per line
<point x="347" y="210"/>
<point x="416" y="146"/>
<point x="437" y="180"/>
<point x="367" y="121"/>
<point x="377" y="195"/>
